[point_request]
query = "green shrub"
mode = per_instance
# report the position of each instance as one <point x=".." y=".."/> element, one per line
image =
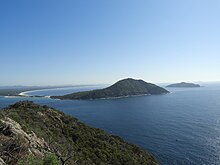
<point x="30" y="160"/>
<point x="49" y="159"/>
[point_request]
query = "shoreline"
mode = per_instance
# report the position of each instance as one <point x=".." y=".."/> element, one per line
<point x="26" y="96"/>
<point x="108" y="98"/>
<point x="25" y="93"/>
<point x="121" y="97"/>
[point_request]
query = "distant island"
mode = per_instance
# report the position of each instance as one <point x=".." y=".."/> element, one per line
<point x="184" y="84"/>
<point x="122" y="88"/>
<point x="40" y="135"/>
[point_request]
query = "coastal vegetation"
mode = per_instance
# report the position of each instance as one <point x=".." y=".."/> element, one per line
<point x="122" y="88"/>
<point x="35" y="134"/>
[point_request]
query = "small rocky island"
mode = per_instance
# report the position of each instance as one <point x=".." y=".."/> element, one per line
<point x="39" y="135"/>
<point x="184" y="85"/>
<point x="122" y="88"/>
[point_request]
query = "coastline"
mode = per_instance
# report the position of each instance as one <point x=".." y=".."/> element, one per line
<point x="108" y="98"/>
<point x="25" y="93"/>
<point x="121" y="97"/>
<point x="25" y="90"/>
<point x="11" y="96"/>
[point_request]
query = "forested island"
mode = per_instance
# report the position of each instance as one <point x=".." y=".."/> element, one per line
<point x="122" y="88"/>
<point x="184" y="84"/>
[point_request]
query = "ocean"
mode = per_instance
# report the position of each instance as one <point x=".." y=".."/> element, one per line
<point x="180" y="128"/>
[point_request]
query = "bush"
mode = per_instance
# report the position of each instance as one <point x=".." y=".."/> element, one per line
<point x="30" y="160"/>
<point x="49" y="159"/>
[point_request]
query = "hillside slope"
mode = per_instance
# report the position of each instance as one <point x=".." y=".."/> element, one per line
<point x="30" y="132"/>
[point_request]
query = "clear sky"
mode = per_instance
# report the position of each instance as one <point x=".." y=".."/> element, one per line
<point x="58" y="42"/>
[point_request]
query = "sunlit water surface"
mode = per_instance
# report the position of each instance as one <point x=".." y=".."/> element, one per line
<point x="182" y="127"/>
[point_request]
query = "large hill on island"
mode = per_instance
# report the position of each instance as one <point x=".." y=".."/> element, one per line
<point x="32" y="134"/>
<point x="122" y="88"/>
<point x="184" y="84"/>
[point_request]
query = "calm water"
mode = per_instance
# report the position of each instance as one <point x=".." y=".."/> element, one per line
<point x="182" y="127"/>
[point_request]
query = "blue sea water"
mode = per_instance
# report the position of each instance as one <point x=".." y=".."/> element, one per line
<point x="180" y="128"/>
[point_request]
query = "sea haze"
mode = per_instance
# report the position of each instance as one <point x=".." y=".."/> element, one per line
<point x="182" y="127"/>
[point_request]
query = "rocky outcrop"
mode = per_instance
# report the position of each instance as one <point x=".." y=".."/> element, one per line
<point x="2" y="162"/>
<point x="15" y="142"/>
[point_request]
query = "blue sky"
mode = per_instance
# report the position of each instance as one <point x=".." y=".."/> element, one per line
<point x="54" y="42"/>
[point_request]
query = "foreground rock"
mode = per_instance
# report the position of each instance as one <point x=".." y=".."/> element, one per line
<point x="122" y="88"/>
<point x="34" y="134"/>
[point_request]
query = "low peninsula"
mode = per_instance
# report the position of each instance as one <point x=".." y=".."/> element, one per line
<point x="39" y="135"/>
<point x="184" y="85"/>
<point x="122" y="88"/>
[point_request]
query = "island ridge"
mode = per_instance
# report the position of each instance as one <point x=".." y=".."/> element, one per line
<point x="122" y="88"/>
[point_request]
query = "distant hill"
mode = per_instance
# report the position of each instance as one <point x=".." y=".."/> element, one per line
<point x="122" y="88"/>
<point x="184" y="84"/>
<point x="40" y="135"/>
